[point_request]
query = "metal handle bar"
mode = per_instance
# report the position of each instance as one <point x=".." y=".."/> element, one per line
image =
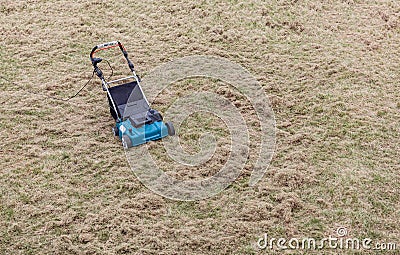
<point x="99" y="73"/>
<point x="106" y="46"/>
<point x="110" y="45"/>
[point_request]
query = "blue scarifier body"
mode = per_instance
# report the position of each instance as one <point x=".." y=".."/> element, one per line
<point x="143" y="134"/>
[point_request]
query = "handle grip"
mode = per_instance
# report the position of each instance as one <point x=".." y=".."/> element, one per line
<point x="106" y="46"/>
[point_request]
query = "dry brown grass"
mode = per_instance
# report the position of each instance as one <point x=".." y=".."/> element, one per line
<point x="330" y="68"/>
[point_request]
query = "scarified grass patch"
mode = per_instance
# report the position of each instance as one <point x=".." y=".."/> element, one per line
<point x="331" y="71"/>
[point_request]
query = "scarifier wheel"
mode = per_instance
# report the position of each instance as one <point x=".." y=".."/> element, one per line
<point x="171" y="129"/>
<point x="126" y="142"/>
<point x="115" y="131"/>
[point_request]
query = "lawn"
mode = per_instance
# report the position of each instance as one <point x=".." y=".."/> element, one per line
<point x="330" y="70"/>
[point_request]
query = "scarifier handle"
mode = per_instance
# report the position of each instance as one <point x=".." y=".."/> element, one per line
<point x="106" y="46"/>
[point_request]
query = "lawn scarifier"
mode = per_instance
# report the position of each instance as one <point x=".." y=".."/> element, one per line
<point x="136" y="122"/>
